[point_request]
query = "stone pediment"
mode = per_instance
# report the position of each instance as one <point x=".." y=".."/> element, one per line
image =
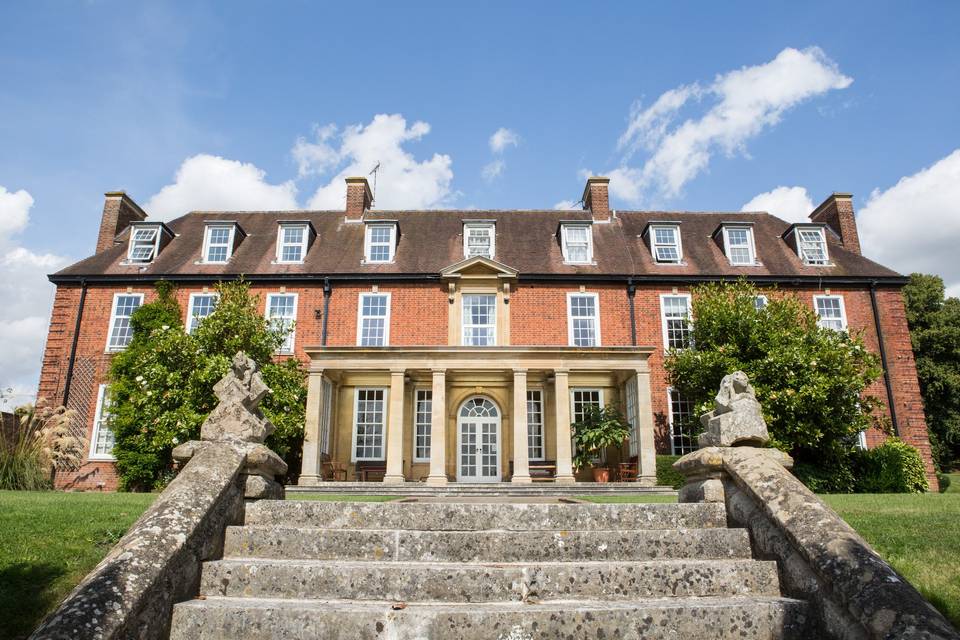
<point x="479" y="267"/>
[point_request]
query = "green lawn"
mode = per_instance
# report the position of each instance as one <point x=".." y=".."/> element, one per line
<point x="49" y="541"/>
<point x="954" y="483"/>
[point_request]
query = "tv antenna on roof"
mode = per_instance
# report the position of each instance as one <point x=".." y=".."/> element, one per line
<point x="373" y="173"/>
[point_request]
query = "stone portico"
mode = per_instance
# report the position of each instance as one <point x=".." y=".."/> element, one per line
<point x="478" y="410"/>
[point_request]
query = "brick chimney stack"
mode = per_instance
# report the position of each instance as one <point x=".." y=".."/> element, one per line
<point x="359" y="197"/>
<point x="837" y="213"/>
<point x="596" y="199"/>
<point x="119" y="212"/>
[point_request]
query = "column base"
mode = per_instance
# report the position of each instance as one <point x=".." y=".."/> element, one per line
<point x="565" y="480"/>
<point x="309" y="481"/>
<point x="437" y="481"/>
<point x="521" y="479"/>
<point x="647" y="481"/>
<point x="393" y="479"/>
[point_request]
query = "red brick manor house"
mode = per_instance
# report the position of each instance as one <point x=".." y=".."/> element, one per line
<point x="459" y="346"/>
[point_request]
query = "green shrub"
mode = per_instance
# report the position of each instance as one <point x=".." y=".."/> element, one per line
<point x="667" y="476"/>
<point x="893" y="467"/>
<point x="22" y="463"/>
<point x="836" y="477"/>
<point x="944" y="480"/>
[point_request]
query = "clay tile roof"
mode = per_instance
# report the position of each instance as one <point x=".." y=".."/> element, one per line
<point x="429" y="241"/>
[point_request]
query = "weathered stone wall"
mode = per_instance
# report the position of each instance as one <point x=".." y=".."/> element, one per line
<point x="131" y="593"/>
<point x="855" y="593"/>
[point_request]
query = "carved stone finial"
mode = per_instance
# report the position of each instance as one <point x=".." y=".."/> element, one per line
<point x="736" y="418"/>
<point x="237" y="416"/>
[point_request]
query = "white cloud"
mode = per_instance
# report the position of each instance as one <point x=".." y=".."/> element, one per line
<point x="206" y="182"/>
<point x="745" y="102"/>
<point x="402" y="181"/>
<point x="493" y="169"/>
<point x="567" y="205"/>
<point x="26" y="295"/>
<point x="915" y="224"/>
<point x="503" y="138"/>
<point x="792" y="204"/>
<point x="316" y="157"/>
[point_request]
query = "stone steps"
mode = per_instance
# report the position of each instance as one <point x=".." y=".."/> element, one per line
<point x="487" y="582"/>
<point x="753" y="618"/>
<point x="505" y="570"/>
<point x="387" y="545"/>
<point x="477" y="516"/>
<point x="420" y="489"/>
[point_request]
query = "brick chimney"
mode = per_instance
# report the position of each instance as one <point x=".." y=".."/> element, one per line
<point x="359" y="197"/>
<point x="119" y="212"/>
<point x="837" y="213"/>
<point x="596" y="198"/>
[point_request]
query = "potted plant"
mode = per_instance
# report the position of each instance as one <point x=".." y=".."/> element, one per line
<point x="601" y="427"/>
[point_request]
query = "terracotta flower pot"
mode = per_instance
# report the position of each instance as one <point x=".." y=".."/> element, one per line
<point x="601" y="474"/>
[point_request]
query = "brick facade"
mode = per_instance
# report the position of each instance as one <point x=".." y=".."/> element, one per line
<point x="418" y="317"/>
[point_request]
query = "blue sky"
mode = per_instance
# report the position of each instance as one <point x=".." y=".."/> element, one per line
<point x="122" y="95"/>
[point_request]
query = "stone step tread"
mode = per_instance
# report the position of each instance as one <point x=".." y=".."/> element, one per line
<point x="262" y="541"/>
<point x="487" y="582"/>
<point x="479" y="516"/>
<point x="751" y="618"/>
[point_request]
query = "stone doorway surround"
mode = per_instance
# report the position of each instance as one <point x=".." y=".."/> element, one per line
<point x="328" y="365"/>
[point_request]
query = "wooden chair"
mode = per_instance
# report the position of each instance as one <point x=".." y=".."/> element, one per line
<point x="335" y="471"/>
<point x="629" y="472"/>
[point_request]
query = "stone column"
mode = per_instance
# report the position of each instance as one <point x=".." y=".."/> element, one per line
<point x="395" y="429"/>
<point x="521" y="463"/>
<point x="646" y="448"/>
<point x="561" y="387"/>
<point x="310" y="474"/>
<point x="438" y="430"/>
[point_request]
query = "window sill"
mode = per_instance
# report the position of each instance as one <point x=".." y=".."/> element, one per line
<point x="592" y="263"/>
<point x="366" y="263"/>
<point x="421" y="460"/>
<point x="671" y="264"/>
<point x="101" y="458"/>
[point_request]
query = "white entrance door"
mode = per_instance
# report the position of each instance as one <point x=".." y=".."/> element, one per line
<point x="478" y="441"/>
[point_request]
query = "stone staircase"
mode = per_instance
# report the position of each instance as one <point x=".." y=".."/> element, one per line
<point x="302" y="569"/>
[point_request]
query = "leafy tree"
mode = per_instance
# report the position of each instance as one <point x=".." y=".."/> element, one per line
<point x="934" y="322"/>
<point x="161" y="385"/>
<point x="810" y="381"/>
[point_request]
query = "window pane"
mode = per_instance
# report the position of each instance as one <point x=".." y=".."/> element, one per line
<point x="830" y="313"/>
<point x="577" y="243"/>
<point x="666" y="244"/>
<point x="535" y="445"/>
<point x="369" y="424"/>
<point x="632" y="413"/>
<point x="201" y="306"/>
<point x="583" y="320"/>
<point x="676" y="318"/>
<point x="479" y="241"/>
<point x="422" y="421"/>
<point x="122" y="332"/>
<point x="812" y="246"/>
<point x="281" y="311"/>
<point x="479" y="320"/>
<point x="681" y="416"/>
<point x="104" y="439"/>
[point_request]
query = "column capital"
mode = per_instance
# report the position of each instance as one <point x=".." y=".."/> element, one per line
<point x="398" y="372"/>
<point x="438" y="372"/>
<point x="518" y="371"/>
<point x="561" y="372"/>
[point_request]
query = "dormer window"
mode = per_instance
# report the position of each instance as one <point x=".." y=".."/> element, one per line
<point x="218" y="243"/>
<point x="812" y="245"/>
<point x="144" y="244"/>
<point x="380" y="242"/>
<point x="479" y="239"/>
<point x="293" y="239"/>
<point x="738" y="245"/>
<point x="577" y="243"/>
<point x="665" y="244"/>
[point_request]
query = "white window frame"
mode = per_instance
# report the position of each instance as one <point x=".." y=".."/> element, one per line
<point x="383" y="426"/>
<point x="100" y="418"/>
<point x="677" y="244"/>
<point x="663" y="315"/>
<point x="417" y="424"/>
<point x="843" y="310"/>
<point x="208" y="232"/>
<point x="113" y="320"/>
<point x="361" y="317"/>
<point x="760" y="302"/>
<point x="573" y="412"/>
<point x="491" y="229"/>
<point x="632" y="407"/>
<point x="282" y="244"/>
<point x="287" y="347"/>
<point x="135" y="244"/>
<point x="192" y="306"/>
<point x="564" y="233"/>
<point x="823" y="241"/>
<point x="596" y="317"/>
<point x="542" y="434"/>
<point x="463" y="318"/>
<point x="673" y="447"/>
<point x="862" y="440"/>
<point x="368" y="243"/>
<point x="751" y="246"/>
<point x="326" y="389"/>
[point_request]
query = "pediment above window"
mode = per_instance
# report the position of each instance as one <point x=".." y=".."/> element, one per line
<point x="478" y="267"/>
